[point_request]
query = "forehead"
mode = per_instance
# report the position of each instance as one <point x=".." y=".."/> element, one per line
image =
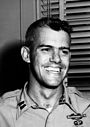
<point x="47" y="36"/>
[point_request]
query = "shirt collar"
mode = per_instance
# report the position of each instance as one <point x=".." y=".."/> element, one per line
<point x="24" y="101"/>
<point x="76" y="100"/>
<point x="69" y="97"/>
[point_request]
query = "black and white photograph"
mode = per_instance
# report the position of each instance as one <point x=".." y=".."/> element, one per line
<point x="45" y="63"/>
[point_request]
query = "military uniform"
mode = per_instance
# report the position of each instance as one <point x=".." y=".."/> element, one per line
<point x="17" y="109"/>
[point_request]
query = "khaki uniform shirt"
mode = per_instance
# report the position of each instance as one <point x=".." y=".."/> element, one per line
<point x="17" y="109"/>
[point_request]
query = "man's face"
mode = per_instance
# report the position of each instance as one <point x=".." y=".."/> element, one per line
<point x="51" y="56"/>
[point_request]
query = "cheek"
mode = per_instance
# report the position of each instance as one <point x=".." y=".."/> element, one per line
<point x="39" y="61"/>
<point x="42" y="59"/>
<point x="66" y="61"/>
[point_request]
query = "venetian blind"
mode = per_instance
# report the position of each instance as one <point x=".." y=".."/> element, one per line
<point x="77" y="13"/>
<point x="48" y="8"/>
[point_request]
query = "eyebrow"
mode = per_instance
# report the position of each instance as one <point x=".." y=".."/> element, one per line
<point x="49" y="46"/>
<point x="65" y="48"/>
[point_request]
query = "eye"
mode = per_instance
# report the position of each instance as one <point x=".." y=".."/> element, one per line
<point x="45" y="49"/>
<point x="65" y="51"/>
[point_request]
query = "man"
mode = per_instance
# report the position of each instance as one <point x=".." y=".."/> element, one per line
<point x="46" y="100"/>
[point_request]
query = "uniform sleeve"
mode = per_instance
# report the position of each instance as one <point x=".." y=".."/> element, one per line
<point x="6" y="119"/>
<point x="8" y="108"/>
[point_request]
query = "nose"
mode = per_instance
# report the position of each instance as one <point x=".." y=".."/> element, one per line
<point x="56" y="57"/>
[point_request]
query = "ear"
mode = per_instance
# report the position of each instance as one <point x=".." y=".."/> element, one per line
<point x="25" y="53"/>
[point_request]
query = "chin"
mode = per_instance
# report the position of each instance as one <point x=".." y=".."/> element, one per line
<point x="51" y="84"/>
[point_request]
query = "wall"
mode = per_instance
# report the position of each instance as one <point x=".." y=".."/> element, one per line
<point x="15" y="17"/>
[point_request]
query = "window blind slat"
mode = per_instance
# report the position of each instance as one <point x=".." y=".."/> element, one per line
<point x="84" y="63"/>
<point x="52" y="11"/>
<point x="70" y="4"/>
<point x="78" y="10"/>
<point x="81" y="40"/>
<point x="81" y="59"/>
<point x="80" y="34"/>
<point x="84" y="52"/>
<point x="52" y="5"/>
<point x="85" y="46"/>
<point x="75" y="0"/>
<point x="75" y="17"/>
<point x="84" y="70"/>
<point x="81" y="28"/>
<point x="80" y="22"/>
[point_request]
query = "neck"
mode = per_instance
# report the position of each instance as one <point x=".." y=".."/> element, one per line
<point x="44" y="97"/>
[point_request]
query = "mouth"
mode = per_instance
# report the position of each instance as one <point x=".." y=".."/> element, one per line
<point x="53" y="69"/>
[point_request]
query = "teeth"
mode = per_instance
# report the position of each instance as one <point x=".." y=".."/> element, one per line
<point x="53" y="69"/>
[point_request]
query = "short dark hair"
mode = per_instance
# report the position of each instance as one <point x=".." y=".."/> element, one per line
<point x="53" y="23"/>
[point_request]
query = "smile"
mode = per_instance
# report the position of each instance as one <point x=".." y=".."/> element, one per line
<point x="53" y="69"/>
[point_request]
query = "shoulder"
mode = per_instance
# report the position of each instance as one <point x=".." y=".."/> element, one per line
<point x="10" y="98"/>
<point x="75" y="92"/>
<point x="8" y="108"/>
<point x="78" y="99"/>
<point x="10" y="94"/>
